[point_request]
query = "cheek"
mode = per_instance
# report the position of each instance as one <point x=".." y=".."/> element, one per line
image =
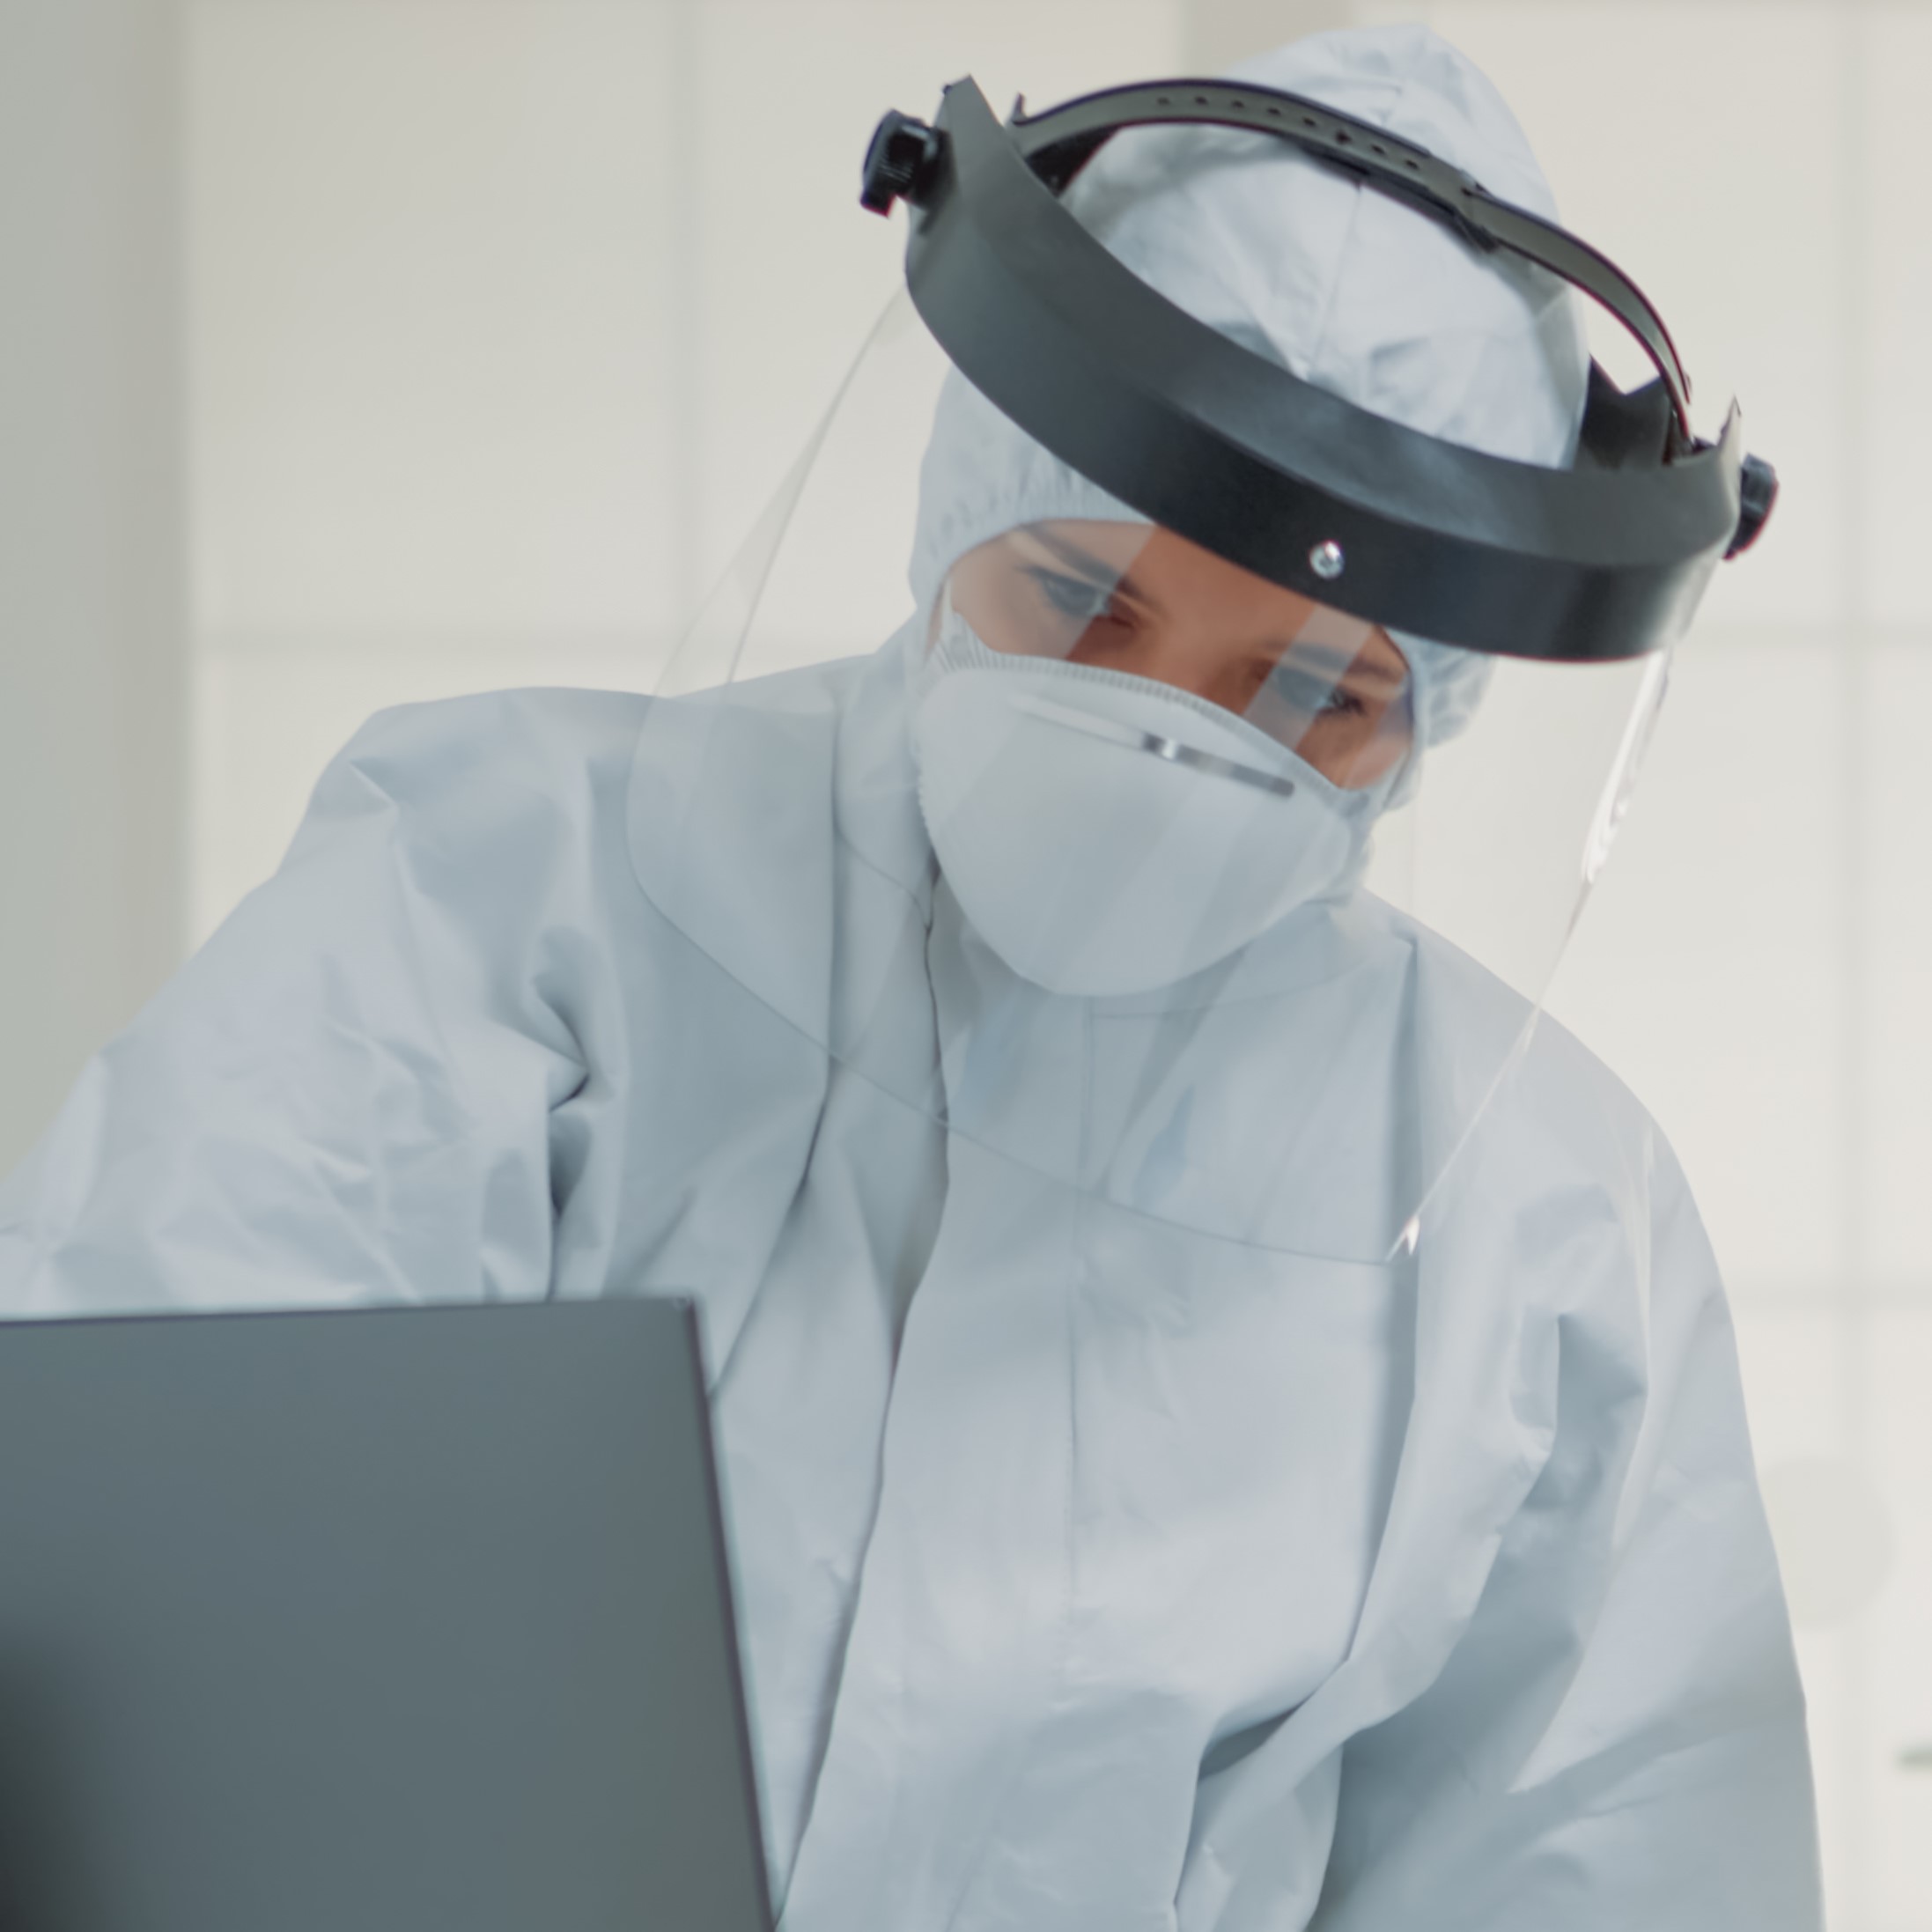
<point x="1376" y="758"/>
<point x="1356" y="753"/>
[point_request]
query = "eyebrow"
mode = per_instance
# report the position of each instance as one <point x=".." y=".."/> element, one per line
<point x="1098" y="571"/>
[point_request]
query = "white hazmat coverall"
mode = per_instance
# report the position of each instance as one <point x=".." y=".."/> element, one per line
<point x="1094" y="1573"/>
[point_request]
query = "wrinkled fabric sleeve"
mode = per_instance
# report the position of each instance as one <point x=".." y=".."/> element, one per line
<point x="346" y="1095"/>
<point x="1619" y="1740"/>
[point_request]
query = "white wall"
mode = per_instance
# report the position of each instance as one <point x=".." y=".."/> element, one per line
<point x="92" y="651"/>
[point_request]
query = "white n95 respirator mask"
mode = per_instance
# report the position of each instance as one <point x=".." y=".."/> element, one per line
<point x="1105" y="834"/>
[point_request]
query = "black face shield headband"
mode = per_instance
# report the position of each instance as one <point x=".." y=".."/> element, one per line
<point x="1607" y="559"/>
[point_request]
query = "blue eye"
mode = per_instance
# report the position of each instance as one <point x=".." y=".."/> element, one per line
<point x="1315" y="697"/>
<point x="1071" y="596"/>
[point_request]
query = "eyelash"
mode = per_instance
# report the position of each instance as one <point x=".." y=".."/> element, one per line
<point x="1328" y="700"/>
<point x="1073" y="597"/>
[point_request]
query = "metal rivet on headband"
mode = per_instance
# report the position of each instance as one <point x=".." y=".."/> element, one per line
<point x="1325" y="559"/>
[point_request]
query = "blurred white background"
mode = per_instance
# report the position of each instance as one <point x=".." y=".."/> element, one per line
<point x="357" y="351"/>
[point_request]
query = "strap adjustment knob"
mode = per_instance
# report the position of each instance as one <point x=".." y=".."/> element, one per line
<point x="898" y="164"/>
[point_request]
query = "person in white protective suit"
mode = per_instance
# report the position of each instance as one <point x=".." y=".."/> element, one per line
<point x="1132" y="1532"/>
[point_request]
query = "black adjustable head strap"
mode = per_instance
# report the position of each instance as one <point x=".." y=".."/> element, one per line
<point x="1060" y="142"/>
<point x="1606" y="560"/>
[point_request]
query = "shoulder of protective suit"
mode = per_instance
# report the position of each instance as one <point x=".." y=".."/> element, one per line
<point x="519" y="744"/>
<point x="474" y="763"/>
<point x="465" y="829"/>
<point x="1561" y="1124"/>
<point x="1559" y="1067"/>
<point x="1566" y="1118"/>
<point x="517" y="782"/>
<point x="457" y="770"/>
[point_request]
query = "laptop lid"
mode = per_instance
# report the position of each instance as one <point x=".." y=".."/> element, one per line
<point x="404" y="1621"/>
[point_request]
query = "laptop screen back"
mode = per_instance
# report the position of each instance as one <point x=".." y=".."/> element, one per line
<point x="402" y="1620"/>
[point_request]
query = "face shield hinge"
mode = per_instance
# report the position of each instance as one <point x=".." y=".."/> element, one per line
<point x="1757" y="492"/>
<point x="899" y="164"/>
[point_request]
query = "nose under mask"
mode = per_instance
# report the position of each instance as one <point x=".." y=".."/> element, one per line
<point x="1107" y="835"/>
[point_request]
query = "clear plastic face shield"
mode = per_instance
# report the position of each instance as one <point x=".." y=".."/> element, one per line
<point x="1174" y="894"/>
<point x="1231" y="909"/>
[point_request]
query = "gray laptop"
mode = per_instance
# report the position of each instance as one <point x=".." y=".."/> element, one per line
<point x="410" y="1621"/>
